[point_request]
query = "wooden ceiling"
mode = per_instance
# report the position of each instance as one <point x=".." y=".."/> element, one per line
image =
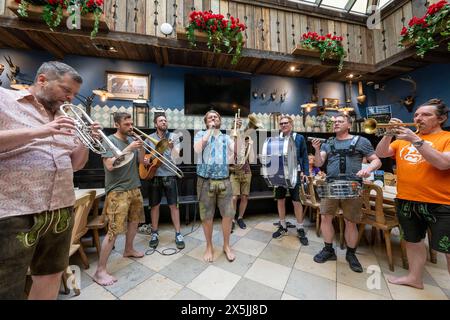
<point x="171" y="52"/>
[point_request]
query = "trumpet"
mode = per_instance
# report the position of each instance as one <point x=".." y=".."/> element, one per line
<point x="82" y="125"/>
<point x="370" y="126"/>
<point x="236" y="117"/>
<point x="160" y="147"/>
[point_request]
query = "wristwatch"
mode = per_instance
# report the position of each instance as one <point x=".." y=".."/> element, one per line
<point x="418" y="144"/>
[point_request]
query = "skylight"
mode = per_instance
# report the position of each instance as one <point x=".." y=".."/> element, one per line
<point x="359" y="7"/>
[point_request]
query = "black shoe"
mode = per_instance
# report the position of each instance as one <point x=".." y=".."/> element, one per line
<point x="353" y="262"/>
<point x="241" y="223"/>
<point x="325" y="255"/>
<point x="154" y="240"/>
<point x="280" y="232"/>
<point x="233" y="225"/>
<point x="302" y="236"/>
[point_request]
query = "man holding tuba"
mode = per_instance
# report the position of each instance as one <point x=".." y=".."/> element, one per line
<point x="38" y="155"/>
<point x="164" y="182"/>
<point x="423" y="186"/>
<point x="124" y="203"/>
<point x="240" y="172"/>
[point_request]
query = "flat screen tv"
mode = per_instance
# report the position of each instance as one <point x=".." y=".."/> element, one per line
<point x="223" y="94"/>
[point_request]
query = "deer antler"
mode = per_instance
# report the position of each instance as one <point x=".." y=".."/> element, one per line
<point x="13" y="68"/>
<point x="410" y="100"/>
<point x="413" y="82"/>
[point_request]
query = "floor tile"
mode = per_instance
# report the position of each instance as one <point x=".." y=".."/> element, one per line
<point x="156" y="287"/>
<point x="345" y="292"/>
<point x="95" y="292"/>
<point x="276" y="254"/>
<point x="249" y="246"/>
<point x="307" y="286"/>
<point x="241" y="232"/>
<point x="188" y="294"/>
<point x="306" y="263"/>
<point x="369" y="280"/>
<point x="199" y="252"/>
<point x="267" y="226"/>
<point x="312" y="248"/>
<point x="115" y="263"/>
<point x="447" y="292"/>
<point x="239" y="266"/>
<point x="218" y="239"/>
<point x="247" y="289"/>
<point x="200" y="235"/>
<point x="157" y="261"/>
<point x="408" y="293"/>
<point x="128" y="278"/>
<point x="441" y="276"/>
<point x="259" y="235"/>
<point x="400" y="272"/>
<point x="191" y="244"/>
<point x="291" y="242"/>
<point x="184" y="269"/>
<point x="214" y="283"/>
<point x="268" y="273"/>
<point x="286" y="296"/>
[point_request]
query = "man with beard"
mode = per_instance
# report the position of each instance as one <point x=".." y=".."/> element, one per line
<point x="124" y="204"/>
<point x="164" y="181"/>
<point x="38" y="155"/>
<point x="423" y="186"/>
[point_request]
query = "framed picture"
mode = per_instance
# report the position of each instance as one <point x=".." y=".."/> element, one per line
<point x="330" y="103"/>
<point x="128" y="86"/>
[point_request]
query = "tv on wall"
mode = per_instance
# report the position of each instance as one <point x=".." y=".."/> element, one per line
<point x="223" y="94"/>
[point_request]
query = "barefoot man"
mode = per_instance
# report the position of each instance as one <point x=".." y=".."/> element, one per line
<point x="124" y="203"/>
<point x="423" y="180"/>
<point x="215" y="151"/>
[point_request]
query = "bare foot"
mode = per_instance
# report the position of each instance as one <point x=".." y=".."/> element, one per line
<point x="104" y="278"/>
<point x="133" y="254"/>
<point x="229" y="254"/>
<point x="209" y="255"/>
<point x="405" y="281"/>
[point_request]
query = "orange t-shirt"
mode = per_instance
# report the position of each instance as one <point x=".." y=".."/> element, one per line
<point x="417" y="179"/>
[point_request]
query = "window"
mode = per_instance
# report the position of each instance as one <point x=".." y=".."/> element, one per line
<point x="358" y="7"/>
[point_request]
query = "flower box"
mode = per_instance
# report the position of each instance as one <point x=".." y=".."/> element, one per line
<point x="200" y="36"/>
<point x="35" y="15"/>
<point x="299" y="50"/>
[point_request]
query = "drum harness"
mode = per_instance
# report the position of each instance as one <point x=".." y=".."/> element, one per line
<point x="343" y="153"/>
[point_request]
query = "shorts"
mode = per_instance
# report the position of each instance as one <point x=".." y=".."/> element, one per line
<point x="160" y="185"/>
<point x="351" y="208"/>
<point x="280" y="193"/>
<point x="416" y="217"/>
<point x="123" y="207"/>
<point x="240" y="183"/>
<point x="212" y="193"/>
<point x="40" y="241"/>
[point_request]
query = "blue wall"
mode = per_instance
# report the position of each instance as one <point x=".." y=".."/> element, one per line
<point x="167" y="83"/>
<point x="432" y="81"/>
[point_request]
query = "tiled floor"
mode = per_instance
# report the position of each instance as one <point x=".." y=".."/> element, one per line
<point x="264" y="268"/>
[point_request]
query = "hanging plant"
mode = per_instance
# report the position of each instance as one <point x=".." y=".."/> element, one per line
<point x="221" y="33"/>
<point x="425" y="32"/>
<point x="53" y="11"/>
<point x="329" y="46"/>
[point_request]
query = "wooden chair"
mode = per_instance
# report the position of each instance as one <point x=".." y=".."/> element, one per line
<point x="309" y="200"/>
<point x="96" y="223"/>
<point x="390" y="179"/>
<point x="374" y="215"/>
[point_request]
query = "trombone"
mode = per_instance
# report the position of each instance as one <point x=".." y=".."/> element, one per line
<point x="371" y="125"/>
<point x="161" y="146"/>
<point x="82" y="122"/>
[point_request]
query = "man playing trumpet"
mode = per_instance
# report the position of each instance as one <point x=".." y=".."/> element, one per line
<point x="423" y="180"/>
<point x="240" y="172"/>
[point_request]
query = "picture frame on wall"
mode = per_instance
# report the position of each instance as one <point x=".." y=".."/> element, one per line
<point x="128" y="86"/>
<point x="330" y="103"/>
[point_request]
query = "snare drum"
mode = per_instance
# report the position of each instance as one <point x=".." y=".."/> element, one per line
<point x="339" y="189"/>
<point x="279" y="162"/>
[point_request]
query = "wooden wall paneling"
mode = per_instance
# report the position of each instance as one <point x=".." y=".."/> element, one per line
<point x="274" y="44"/>
<point x="108" y="9"/>
<point x="358" y="45"/>
<point x="389" y="26"/>
<point x="380" y="54"/>
<point x="141" y="16"/>
<point x="259" y="28"/>
<point x="266" y="17"/>
<point x="345" y="42"/>
<point x="121" y="13"/>
<point x="407" y="12"/>
<point x="289" y="31"/>
<point x="42" y="40"/>
<point x="370" y="45"/>
<point x="130" y="25"/>
<point x="224" y="8"/>
<point x="303" y="25"/>
<point x="161" y="17"/>
<point x="299" y="29"/>
<point x="180" y="22"/>
<point x="170" y="11"/>
<point x="241" y="15"/>
<point x="251" y="32"/>
<point x="206" y="5"/>
<point x="330" y="27"/>
<point x="350" y="42"/>
<point x="232" y="9"/>
<point x="198" y="5"/>
<point x="12" y="40"/>
<point x="187" y="5"/>
<point x="2" y="7"/>
<point x="398" y="25"/>
<point x="418" y="8"/>
<point x="365" y="46"/>
<point x="215" y="6"/>
<point x="284" y="27"/>
<point x="323" y="26"/>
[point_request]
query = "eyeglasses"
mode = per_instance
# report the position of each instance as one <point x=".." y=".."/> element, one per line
<point x="284" y="123"/>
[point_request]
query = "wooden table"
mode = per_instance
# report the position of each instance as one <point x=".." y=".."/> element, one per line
<point x="99" y="194"/>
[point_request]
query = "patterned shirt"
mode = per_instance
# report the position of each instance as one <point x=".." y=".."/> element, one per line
<point x="214" y="159"/>
<point x="37" y="176"/>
